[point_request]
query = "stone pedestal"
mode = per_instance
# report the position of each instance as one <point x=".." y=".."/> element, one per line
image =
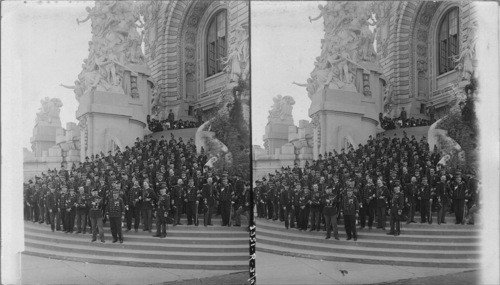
<point x="342" y="118"/>
<point x="276" y="134"/>
<point x="44" y="136"/>
<point x="110" y="119"/>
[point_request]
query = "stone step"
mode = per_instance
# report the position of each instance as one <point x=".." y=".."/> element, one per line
<point x="366" y="259"/>
<point x="415" y="231"/>
<point x="177" y="231"/>
<point x="418" y="245"/>
<point x="389" y="241"/>
<point x="154" y="244"/>
<point x="377" y="234"/>
<point x="183" y="249"/>
<point x="118" y="250"/>
<point x="351" y="247"/>
<point x="142" y="262"/>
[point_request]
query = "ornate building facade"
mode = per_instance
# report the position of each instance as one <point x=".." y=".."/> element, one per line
<point x="426" y="50"/>
<point x="192" y="49"/>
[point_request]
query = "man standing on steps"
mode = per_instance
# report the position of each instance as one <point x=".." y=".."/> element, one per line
<point x="381" y="196"/>
<point x="330" y="211"/>
<point x="286" y="202"/>
<point x="191" y="199"/>
<point x="315" y="208"/>
<point x="442" y="198"/>
<point x="177" y="201"/>
<point x="350" y="208"/>
<point x="70" y="208"/>
<point x="81" y="210"/>
<point x="396" y="210"/>
<point x="134" y="203"/>
<point x="459" y="191"/>
<point x="149" y="198"/>
<point x="209" y="201"/>
<point x="295" y="206"/>
<point x="162" y="212"/>
<point x="244" y="204"/>
<point x="424" y="195"/>
<point x="225" y="196"/>
<point x="51" y="204"/>
<point x="304" y="203"/>
<point x="115" y="210"/>
<point x="96" y="204"/>
<point x="367" y="203"/>
<point x="411" y="199"/>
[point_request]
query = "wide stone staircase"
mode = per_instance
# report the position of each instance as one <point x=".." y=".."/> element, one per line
<point x="423" y="245"/>
<point x="185" y="247"/>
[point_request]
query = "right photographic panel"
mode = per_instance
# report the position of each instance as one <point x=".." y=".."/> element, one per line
<point x="366" y="157"/>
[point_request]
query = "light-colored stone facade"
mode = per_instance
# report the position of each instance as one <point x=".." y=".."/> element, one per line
<point x="175" y="47"/>
<point x="407" y="47"/>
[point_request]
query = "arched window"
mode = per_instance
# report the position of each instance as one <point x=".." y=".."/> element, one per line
<point x="448" y="41"/>
<point x="216" y="43"/>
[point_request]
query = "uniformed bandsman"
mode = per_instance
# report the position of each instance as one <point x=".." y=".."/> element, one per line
<point x="162" y="212"/>
<point x="115" y="210"/>
<point x="350" y="212"/>
<point x="96" y="204"/>
<point x="396" y="210"/>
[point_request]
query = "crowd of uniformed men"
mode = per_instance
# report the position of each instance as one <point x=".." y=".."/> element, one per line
<point x="152" y="180"/>
<point x="394" y="177"/>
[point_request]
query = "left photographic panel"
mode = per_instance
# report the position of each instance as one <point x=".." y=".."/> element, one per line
<point x="135" y="136"/>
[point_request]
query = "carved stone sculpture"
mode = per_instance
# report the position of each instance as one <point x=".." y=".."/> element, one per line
<point x="348" y="43"/>
<point x="50" y="110"/>
<point x="115" y="47"/>
<point x="237" y="61"/>
<point x="282" y="107"/>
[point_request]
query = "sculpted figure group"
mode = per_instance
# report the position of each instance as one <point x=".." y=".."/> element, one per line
<point x="115" y="47"/>
<point x="348" y="43"/>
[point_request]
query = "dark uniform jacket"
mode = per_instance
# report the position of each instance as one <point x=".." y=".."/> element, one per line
<point x="96" y="204"/>
<point x="191" y="194"/>
<point x="70" y="202"/>
<point x="163" y="205"/>
<point x="135" y="196"/>
<point x="397" y="202"/>
<point x="208" y="194"/>
<point x="411" y="192"/>
<point x="115" y="208"/>
<point x="51" y="201"/>
<point x="225" y="193"/>
<point x="366" y="194"/>
<point x="304" y="200"/>
<point x="331" y="202"/>
<point x="149" y="198"/>
<point x="442" y="191"/>
<point x="381" y="192"/>
<point x="315" y="199"/>
<point x="285" y="198"/>
<point x="459" y="190"/>
<point x="425" y="192"/>
<point x="82" y="201"/>
<point x="177" y="195"/>
<point x="350" y="205"/>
